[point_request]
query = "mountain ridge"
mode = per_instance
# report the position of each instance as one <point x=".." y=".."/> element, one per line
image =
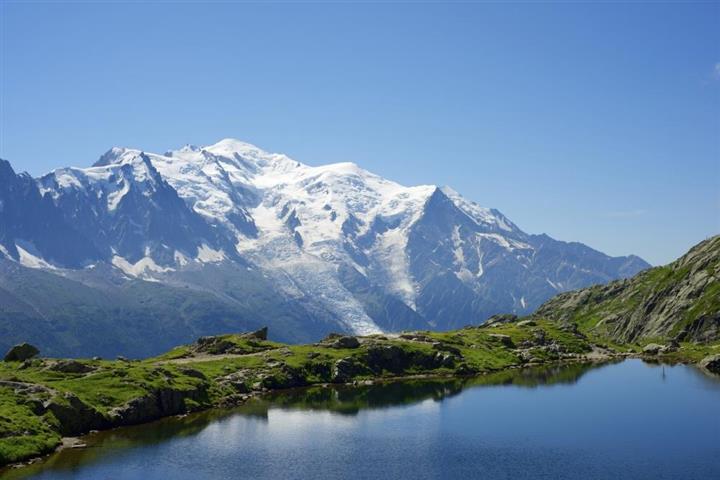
<point x="345" y="243"/>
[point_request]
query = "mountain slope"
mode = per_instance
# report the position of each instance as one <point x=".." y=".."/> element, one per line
<point x="351" y="250"/>
<point x="32" y="229"/>
<point x="680" y="301"/>
<point x="99" y="313"/>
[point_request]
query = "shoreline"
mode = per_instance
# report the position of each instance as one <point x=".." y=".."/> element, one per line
<point x="54" y="403"/>
<point x="78" y="441"/>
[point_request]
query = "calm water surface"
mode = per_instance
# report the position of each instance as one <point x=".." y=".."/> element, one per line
<point x="626" y="420"/>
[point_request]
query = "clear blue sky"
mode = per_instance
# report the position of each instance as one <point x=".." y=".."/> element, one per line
<point x="591" y="122"/>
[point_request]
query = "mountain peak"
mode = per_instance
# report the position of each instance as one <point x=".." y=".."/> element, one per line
<point x="230" y="146"/>
<point x="116" y="156"/>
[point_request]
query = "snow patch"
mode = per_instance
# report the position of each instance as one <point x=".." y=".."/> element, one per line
<point x="30" y="257"/>
<point x="142" y="267"/>
<point x="208" y="255"/>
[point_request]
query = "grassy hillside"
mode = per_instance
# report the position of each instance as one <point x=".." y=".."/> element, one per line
<point x="101" y="314"/>
<point x="679" y="301"/>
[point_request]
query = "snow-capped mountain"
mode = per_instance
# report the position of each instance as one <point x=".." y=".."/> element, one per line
<point x="359" y="252"/>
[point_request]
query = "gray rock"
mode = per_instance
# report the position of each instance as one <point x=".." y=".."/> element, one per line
<point x="345" y="369"/>
<point x="160" y="403"/>
<point x="500" y="319"/>
<point x="21" y="352"/>
<point x="70" y="366"/>
<point x="527" y="323"/>
<point x="711" y="363"/>
<point x="653" y="349"/>
<point x="417" y="337"/>
<point x="261" y="334"/>
<point x="345" y="342"/>
<point x="74" y="416"/>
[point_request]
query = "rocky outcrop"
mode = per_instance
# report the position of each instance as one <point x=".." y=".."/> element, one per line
<point x="160" y="403"/>
<point x="21" y="352"/>
<point x="230" y="344"/>
<point x="679" y="301"/>
<point x="346" y="369"/>
<point x="396" y="360"/>
<point x="261" y="334"/>
<point x="73" y="415"/>
<point x="653" y="349"/>
<point x="711" y="363"/>
<point x="345" y="342"/>
<point x="501" y="318"/>
<point x="70" y="366"/>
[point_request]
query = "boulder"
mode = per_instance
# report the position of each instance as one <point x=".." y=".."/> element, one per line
<point x="70" y="366"/>
<point x="345" y="342"/>
<point x="527" y="323"/>
<point x="21" y="352"/>
<point x="417" y="337"/>
<point x="653" y="349"/>
<point x="711" y="363"/>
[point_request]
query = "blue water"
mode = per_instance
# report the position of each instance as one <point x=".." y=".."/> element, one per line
<point x="627" y="420"/>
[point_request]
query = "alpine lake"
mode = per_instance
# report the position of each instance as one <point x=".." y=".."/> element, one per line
<point x="620" y="420"/>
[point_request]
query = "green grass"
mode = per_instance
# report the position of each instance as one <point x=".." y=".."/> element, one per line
<point x="111" y="384"/>
<point x="22" y="432"/>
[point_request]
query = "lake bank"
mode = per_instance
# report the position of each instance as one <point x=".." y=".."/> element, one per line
<point x="614" y="420"/>
<point x="48" y="400"/>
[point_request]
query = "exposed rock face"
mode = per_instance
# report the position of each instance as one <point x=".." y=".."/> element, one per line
<point x="74" y="416"/>
<point x="347" y="368"/>
<point x="21" y="352"/>
<point x="213" y="345"/>
<point x="501" y="318"/>
<point x="70" y="366"/>
<point x="261" y="334"/>
<point x="161" y="403"/>
<point x="679" y="301"/>
<point x="396" y="360"/>
<point x="711" y="363"/>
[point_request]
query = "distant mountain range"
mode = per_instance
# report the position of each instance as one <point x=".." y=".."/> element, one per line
<point x="144" y="251"/>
